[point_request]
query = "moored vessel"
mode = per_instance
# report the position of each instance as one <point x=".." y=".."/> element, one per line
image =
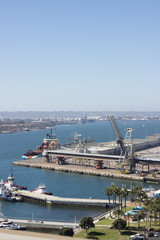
<point x="42" y="190"/>
<point x="50" y="142"/>
<point x="6" y="224"/>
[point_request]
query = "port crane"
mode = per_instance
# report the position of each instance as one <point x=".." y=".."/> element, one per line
<point x="75" y="138"/>
<point x="126" y="146"/>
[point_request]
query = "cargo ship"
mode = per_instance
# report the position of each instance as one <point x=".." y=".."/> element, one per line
<point x="49" y="143"/>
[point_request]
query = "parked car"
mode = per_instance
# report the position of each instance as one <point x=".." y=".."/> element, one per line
<point x="157" y="234"/>
<point x="138" y="236"/>
<point x="150" y="234"/>
<point x="135" y="238"/>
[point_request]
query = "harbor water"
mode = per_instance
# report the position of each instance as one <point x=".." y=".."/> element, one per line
<point x="62" y="184"/>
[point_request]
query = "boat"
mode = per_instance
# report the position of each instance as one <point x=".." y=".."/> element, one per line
<point x="17" y="198"/>
<point x="50" y="142"/>
<point x="2" y="190"/>
<point x="8" y="190"/>
<point x="6" y="224"/>
<point x="11" y="184"/>
<point x="32" y="154"/>
<point x="42" y="190"/>
<point x="10" y="181"/>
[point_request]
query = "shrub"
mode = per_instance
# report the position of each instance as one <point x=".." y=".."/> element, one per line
<point x="119" y="224"/>
<point x="66" y="232"/>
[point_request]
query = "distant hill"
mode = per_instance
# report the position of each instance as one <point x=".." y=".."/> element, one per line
<point x="72" y="114"/>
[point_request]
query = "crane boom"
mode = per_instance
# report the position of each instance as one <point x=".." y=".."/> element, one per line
<point x="116" y="130"/>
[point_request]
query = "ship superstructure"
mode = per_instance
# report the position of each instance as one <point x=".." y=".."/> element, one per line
<point x="2" y="190"/>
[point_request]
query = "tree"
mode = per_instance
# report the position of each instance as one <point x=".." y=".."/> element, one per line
<point x="86" y="223"/>
<point x="118" y="213"/>
<point x="125" y="194"/>
<point x="66" y="232"/>
<point x="149" y="204"/>
<point x="157" y="202"/>
<point x="121" y="196"/>
<point x="119" y="224"/>
<point x="128" y="218"/>
<point x="138" y="195"/>
<point x="108" y="193"/>
<point x="114" y="192"/>
<point x="140" y="216"/>
<point x="119" y="193"/>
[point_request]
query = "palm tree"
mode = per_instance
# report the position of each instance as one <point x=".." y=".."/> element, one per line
<point x="157" y="202"/>
<point x="119" y="193"/>
<point x="128" y="218"/>
<point x="125" y="194"/>
<point x="108" y="193"/>
<point x="118" y="213"/>
<point x="140" y="216"/>
<point x="138" y="195"/>
<point x="133" y="194"/>
<point x="141" y="196"/>
<point x="149" y="204"/>
<point x="114" y="192"/>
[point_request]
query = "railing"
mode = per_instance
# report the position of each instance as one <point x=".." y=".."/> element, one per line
<point x="35" y="219"/>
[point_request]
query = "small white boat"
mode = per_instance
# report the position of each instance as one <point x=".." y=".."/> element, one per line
<point x="42" y="190"/>
<point x="10" y="225"/>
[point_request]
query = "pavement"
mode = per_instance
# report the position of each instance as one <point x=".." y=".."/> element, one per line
<point x="19" y="235"/>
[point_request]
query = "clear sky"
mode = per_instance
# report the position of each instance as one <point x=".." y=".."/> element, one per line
<point x="80" y="55"/>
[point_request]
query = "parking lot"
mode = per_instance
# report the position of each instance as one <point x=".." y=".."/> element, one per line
<point x="148" y="236"/>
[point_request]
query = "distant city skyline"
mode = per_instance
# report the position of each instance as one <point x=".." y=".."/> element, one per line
<point x="83" y="55"/>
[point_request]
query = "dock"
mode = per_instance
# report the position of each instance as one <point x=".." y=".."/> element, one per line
<point x="75" y="169"/>
<point x="50" y="199"/>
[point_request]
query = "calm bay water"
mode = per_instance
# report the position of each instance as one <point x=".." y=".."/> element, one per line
<point x="12" y="146"/>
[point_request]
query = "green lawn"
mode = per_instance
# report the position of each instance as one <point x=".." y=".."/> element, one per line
<point x="108" y="222"/>
<point x="101" y="232"/>
<point x="104" y="233"/>
<point x="105" y="221"/>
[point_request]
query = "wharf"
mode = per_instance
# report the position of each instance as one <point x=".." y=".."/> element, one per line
<point x="49" y="199"/>
<point x="88" y="170"/>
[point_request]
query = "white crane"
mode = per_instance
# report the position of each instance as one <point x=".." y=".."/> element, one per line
<point x="127" y="150"/>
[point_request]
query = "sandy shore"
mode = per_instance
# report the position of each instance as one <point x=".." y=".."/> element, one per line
<point x="24" y="235"/>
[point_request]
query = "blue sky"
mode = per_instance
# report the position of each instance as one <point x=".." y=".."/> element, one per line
<point x="80" y="55"/>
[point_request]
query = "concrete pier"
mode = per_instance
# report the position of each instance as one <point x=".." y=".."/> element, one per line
<point x="49" y="199"/>
<point x="34" y="224"/>
<point x="69" y="168"/>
